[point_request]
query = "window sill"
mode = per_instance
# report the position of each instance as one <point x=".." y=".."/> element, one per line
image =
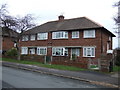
<point x="25" y="41"/>
<point x="59" y="38"/>
<point x="88" y="56"/>
<point x="42" y="39"/>
<point x="75" y="38"/>
<point x="89" y="37"/>
<point x="42" y="54"/>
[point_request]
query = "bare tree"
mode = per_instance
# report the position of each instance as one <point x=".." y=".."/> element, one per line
<point x="117" y="20"/>
<point x="23" y="24"/>
<point x="6" y="20"/>
<point x="18" y="24"/>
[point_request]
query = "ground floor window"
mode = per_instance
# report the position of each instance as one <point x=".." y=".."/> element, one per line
<point x="24" y="50"/>
<point x="88" y="51"/>
<point x="41" y="50"/>
<point x="59" y="51"/>
<point x="32" y="51"/>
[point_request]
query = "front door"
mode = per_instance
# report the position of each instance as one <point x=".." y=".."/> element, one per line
<point x="75" y="52"/>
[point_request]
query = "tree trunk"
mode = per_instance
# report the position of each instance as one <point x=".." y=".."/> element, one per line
<point x="19" y="55"/>
<point x="18" y="49"/>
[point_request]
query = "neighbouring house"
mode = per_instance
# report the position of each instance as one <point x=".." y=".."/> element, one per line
<point x="8" y="38"/>
<point x="69" y="41"/>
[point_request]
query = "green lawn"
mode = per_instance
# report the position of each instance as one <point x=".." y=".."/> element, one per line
<point x="60" y="67"/>
<point x="116" y="68"/>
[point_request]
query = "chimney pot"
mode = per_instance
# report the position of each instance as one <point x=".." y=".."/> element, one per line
<point x="61" y="18"/>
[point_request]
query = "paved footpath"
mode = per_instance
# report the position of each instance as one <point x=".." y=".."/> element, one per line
<point x="87" y="76"/>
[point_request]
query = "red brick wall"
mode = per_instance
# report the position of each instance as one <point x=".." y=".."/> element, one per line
<point x="74" y="42"/>
<point x="7" y="43"/>
<point x="100" y="42"/>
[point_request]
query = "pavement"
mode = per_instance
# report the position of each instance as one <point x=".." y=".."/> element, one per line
<point x="98" y="78"/>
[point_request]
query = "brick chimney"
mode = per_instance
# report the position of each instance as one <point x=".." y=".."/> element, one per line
<point x="61" y="18"/>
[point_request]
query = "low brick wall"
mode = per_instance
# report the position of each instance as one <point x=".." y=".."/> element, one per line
<point x="66" y="61"/>
<point x="33" y="58"/>
<point x="58" y="60"/>
<point x="70" y="63"/>
<point x="12" y="57"/>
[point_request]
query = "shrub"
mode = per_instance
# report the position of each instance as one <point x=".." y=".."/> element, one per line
<point x="117" y="60"/>
<point x="12" y="52"/>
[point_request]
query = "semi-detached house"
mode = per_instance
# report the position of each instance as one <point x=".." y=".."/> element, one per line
<point x="68" y="39"/>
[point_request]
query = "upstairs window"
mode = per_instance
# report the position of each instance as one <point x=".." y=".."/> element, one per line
<point x="60" y="35"/>
<point x="25" y="38"/>
<point x="89" y="52"/>
<point x="42" y="36"/>
<point x="59" y="51"/>
<point x="32" y="37"/>
<point x="89" y="33"/>
<point x="75" y="34"/>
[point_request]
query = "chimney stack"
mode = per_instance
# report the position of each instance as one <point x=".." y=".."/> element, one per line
<point x="61" y="18"/>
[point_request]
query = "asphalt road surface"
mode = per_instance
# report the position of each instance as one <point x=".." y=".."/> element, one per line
<point x="17" y="78"/>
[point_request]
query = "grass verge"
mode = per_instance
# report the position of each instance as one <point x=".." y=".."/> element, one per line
<point x="60" y="67"/>
<point x="116" y="68"/>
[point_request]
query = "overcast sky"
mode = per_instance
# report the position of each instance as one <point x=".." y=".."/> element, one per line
<point x="100" y="11"/>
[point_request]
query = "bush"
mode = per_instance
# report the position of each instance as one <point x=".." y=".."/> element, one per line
<point x="12" y="52"/>
<point x="117" y="60"/>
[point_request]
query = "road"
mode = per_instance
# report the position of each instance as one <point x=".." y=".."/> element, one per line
<point x="17" y="78"/>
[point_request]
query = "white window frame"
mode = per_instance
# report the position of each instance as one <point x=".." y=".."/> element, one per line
<point x="62" y="53"/>
<point x="32" y="37"/>
<point x="39" y="50"/>
<point x="42" y="36"/>
<point x="88" y="51"/>
<point x="75" y="34"/>
<point x="32" y="51"/>
<point x="60" y="35"/>
<point x="25" y="38"/>
<point x="24" y="50"/>
<point x="89" y="33"/>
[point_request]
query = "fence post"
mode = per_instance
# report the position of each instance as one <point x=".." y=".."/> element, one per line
<point x="89" y="62"/>
<point x="44" y="59"/>
<point x="99" y="64"/>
